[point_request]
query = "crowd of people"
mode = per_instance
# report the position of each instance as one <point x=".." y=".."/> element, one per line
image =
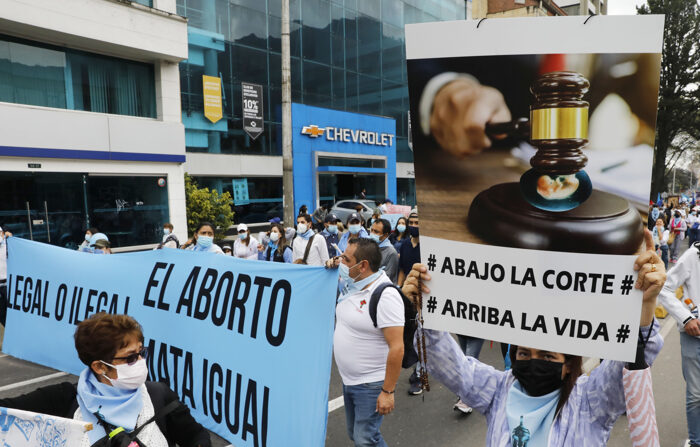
<point x="671" y="224"/>
<point x="379" y="270"/>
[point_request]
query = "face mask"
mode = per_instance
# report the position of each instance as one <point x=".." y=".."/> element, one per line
<point x="344" y="272"/>
<point x="87" y="237"/>
<point x="401" y="228"/>
<point x="371" y="221"/>
<point x="374" y="237"/>
<point x="413" y="231"/>
<point x="274" y="237"/>
<point x="538" y="377"/>
<point x="302" y="228"/>
<point x="205" y="241"/>
<point x="354" y="229"/>
<point x="332" y="229"/>
<point x="129" y="377"/>
<point x="242" y="235"/>
<point x="166" y="231"/>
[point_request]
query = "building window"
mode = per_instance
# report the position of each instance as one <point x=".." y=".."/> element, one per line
<point x="264" y="197"/>
<point x="42" y="75"/>
<point x="56" y="208"/>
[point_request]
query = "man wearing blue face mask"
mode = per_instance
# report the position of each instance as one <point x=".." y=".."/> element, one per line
<point x="355" y="231"/>
<point x="368" y="357"/>
<point x="379" y="232"/>
<point x="331" y="234"/>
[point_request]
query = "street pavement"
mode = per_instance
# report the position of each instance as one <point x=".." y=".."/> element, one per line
<point x="429" y="420"/>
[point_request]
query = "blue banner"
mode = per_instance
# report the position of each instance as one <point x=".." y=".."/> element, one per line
<point x="245" y="344"/>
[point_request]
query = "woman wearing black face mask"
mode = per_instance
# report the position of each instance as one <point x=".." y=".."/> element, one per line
<point x="545" y="400"/>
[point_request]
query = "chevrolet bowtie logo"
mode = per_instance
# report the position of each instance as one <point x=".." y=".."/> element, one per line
<point x="313" y="131"/>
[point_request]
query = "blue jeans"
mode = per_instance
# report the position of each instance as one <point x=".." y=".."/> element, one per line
<point x="471" y="346"/>
<point x="664" y="255"/>
<point x="690" y="353"/>
<point x="362" y="419"/>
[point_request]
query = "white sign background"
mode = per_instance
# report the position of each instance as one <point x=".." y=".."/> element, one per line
<point x="540" y="35"/>
<point x="617" y="310"/>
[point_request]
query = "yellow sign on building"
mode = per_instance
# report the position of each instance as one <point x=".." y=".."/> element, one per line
<point x="212" y="98"/>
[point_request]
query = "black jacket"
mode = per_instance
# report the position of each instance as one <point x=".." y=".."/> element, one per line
<point x="178" y="426"/>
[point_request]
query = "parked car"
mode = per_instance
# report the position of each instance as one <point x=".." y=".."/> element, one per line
<point x="344" y="208"/>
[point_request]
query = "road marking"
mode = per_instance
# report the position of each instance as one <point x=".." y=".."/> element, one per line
<point x="336" y="403"/>
<point x="668" y="325"/>
<point x="2" y="355"/>
<point x="31" y="381"/>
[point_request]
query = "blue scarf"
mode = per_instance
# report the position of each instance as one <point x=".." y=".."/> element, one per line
<point x="308" y="234"/>
<point x="118" y="407"/>
<point x="530" y="418"/>
<point x="350" y="288"/>
<point x="385" y="243"/>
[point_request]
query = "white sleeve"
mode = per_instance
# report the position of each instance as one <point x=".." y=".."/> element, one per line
<point x="322" y="248"/>
<point x="390" y="312"/>
<point x="675" y="278"/>
<point x="425" y="106"/>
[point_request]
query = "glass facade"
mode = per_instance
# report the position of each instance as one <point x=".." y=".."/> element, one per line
<point x="265" y="197"/>
<point x="43" y="75"/>
<point x="346" y="55"/>
<point x="57" y="207"/>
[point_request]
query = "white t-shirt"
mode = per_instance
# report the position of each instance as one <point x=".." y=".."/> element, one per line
<point x="241" y="250"/>
<point x="318" y="255"/>
<point x="359" y="348"/>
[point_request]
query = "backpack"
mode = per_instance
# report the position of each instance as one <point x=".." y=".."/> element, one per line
<point x="410" y="357"/>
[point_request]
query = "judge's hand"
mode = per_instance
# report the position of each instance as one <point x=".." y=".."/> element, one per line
<point x="461" y="110"/>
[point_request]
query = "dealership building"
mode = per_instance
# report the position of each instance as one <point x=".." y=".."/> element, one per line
<point x="102" y="109"/>
<point x="349" y="89"/>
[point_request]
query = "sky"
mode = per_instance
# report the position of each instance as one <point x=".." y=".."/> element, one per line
<point x="622" y="7"/>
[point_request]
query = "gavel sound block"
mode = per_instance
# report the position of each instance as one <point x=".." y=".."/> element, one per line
<point x="554" y="206"/>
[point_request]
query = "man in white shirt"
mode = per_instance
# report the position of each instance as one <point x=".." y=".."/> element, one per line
<point x="317" y="253"/>
<point x="686" y="273"/>
<point x="368" y="357"/>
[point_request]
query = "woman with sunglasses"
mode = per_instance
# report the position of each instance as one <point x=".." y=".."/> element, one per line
<point x="545" y="399"/>
<point x="112" y="390"/>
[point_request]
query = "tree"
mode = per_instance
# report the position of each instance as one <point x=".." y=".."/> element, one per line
<point x="207" y="205"/>
<point x="679" y="96"/>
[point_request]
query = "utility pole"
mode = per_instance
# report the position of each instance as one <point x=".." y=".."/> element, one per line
<point x="287" y="173"/>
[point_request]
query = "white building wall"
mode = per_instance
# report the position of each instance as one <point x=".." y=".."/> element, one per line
<point x="114" y="28"/>
<point x="223" y="165"/>
<point x="109" y="27"/>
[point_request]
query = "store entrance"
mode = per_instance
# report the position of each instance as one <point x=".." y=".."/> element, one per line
<point x="333" y="187"/>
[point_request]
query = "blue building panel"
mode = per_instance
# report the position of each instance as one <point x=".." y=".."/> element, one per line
<point x="316" y="129"/>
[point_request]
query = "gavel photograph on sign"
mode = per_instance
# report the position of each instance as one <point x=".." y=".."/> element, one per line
<point x="547" y="152"/>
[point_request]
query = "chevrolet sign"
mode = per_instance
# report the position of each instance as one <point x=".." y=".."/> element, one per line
<point x="344" y="135"/>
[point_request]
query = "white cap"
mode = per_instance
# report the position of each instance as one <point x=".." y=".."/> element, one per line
<point x="242" y="227"/>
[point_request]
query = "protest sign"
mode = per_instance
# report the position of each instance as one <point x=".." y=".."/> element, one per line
<point x="404" y="210"/>
<point x="392" y="218"/>
<point x="20" y="428"/>
<point x="511" y="172"/>
<point x="245" y="344"/>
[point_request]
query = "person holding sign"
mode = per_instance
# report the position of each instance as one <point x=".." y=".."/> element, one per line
<point x="203" y="240"/>
<point x="544" y="397"/>
<point x="112" y="392"/>
<point x="368" y="354"/>
<point x="245" y="246"/>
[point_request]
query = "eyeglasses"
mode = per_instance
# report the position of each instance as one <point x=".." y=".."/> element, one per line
<point x="133" y="358"/>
